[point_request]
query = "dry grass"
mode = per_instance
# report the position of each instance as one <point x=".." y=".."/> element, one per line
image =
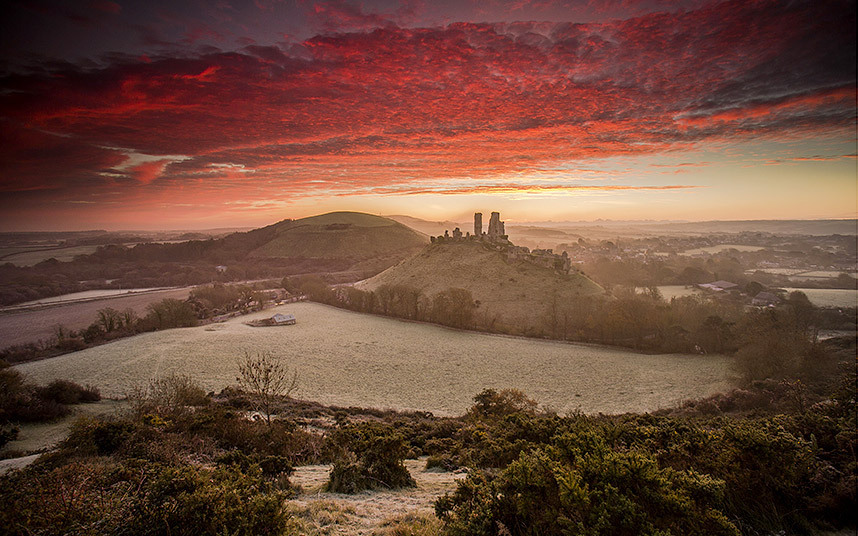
<point x="404" y="512"/>
<point x="318" y="517"/>
<point x="409" y="525"/>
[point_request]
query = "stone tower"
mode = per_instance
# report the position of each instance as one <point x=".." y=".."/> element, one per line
<point x="496" y="227"/>
<point x="478" y="224"/>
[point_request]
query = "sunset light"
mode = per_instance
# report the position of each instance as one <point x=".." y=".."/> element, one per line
<point x="147" y="115"/>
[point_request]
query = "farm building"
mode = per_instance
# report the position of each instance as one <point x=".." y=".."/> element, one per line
<point x="719" y="286"/>
<point x="765" y="299"/>
<point x="283" y="320"/>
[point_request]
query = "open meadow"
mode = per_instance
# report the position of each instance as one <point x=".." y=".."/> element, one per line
<point x="351" y="359"/>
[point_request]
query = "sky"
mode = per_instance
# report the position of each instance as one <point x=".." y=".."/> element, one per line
<point x="239" y="113"/>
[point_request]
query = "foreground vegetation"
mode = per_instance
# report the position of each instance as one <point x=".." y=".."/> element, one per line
<point x="774" y="456"/>
<point x="24" y="402"/>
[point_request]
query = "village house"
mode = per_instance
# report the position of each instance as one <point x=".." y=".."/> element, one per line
<point x="765" y="299"/>
<point x="719" y="286"/>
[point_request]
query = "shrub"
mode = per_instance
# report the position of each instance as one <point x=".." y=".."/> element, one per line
<point x="104" y="497"/>
<point x="564" y="490"/>
<point x="491" y="404"/>
<point x="74" y="498"/>
<point x="68" y="392"/>
<point x="368" y="456"/>
<point x="187" y="500"/>
<point x="7" y="434"/>
<point x="441" y="462"/>
<point x="26" y="406"/>
<point x="267" y="379"/>
<point x="95" y="436"/>
<point x="170" y="394"/>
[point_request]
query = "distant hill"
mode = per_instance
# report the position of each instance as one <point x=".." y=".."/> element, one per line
<point x="511" y="293"/>
<point x="344" y="246"/>
<point x="431" y="228"/>
<point x="351" y="236"/>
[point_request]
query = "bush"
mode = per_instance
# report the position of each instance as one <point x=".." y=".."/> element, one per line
<point x="441" y="462"/>
<point x="7" y="434"/>
<point x="368" y="456"/>
<point x="95" y="436"/>
<point x="26" y="406"/>
<point x="170" y="394"/>
<point x="491" y="404"/>
<point x="23" y="402"/>
<point x="68" y="392"/>
<point x="566" y="490"/>
<point x="105" y="497"/>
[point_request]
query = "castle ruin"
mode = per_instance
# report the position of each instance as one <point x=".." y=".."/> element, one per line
<point x="495" y="226"/>
<point x="496" y="238"/>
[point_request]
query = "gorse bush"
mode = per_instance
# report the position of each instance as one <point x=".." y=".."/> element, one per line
<point x="368" y="456"/>
<point x="169" y="394"/>
<point x="491" y="404"/>
<point x="108" y="497"/>
<point x="565" y="490"/>
<point x="68" y="392"/>
<point x="22" y="402"/>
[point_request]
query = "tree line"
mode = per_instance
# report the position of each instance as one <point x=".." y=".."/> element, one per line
<point x="772" y="341"/>
<point x="203" y="303"/>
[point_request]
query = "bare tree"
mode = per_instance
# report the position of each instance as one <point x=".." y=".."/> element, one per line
<point x="266" y="378"/>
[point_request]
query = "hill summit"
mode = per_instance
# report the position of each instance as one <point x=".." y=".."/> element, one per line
<point x="341" y="235"/>
<point x="517" y="290"/>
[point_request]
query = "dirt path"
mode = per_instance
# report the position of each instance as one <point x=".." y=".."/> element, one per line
<point x="368" y="512"/>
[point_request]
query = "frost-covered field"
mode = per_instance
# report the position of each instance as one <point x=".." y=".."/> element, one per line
<point x="830" y="297"/>
<point x="351" y="359"/>
<point x="721" y="247"/>
<point x="88" y="295"/>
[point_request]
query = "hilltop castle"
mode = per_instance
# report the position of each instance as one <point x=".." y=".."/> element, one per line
<point x="497" y="238"/>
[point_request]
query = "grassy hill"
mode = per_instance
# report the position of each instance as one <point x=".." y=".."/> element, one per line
<point x="345" y="246"/>
<point x="340" y="235"/>
<point x="515" y="293"/>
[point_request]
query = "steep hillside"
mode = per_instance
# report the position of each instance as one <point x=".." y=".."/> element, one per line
<point x="515" y="293"/>
<point x="349" y="236"/>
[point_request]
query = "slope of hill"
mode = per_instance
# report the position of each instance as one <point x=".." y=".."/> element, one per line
<point x="511" y="293"/>
<point x="346" y="245"/>
<point x="340" y="235"/>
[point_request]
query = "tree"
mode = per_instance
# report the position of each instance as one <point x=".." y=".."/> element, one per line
<point x="266" y="378"/>
<point x="109" y="319"/>
<point x="171" y="313"/>
<point x="454" y="307"/>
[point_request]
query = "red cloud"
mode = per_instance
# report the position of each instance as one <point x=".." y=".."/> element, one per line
<point x="148" y="171"/>
<point x="379" y="111"/>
